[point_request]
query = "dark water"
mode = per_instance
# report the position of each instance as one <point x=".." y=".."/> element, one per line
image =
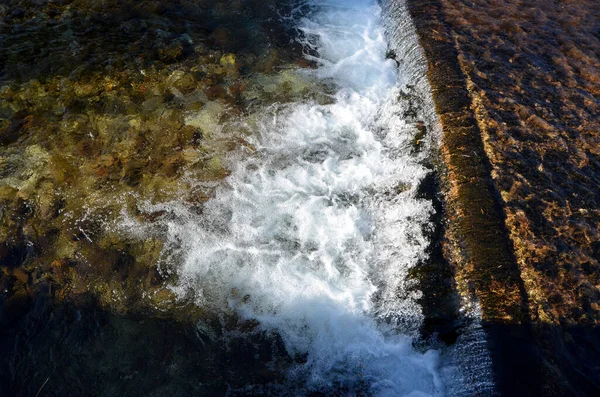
<point x="83" y="350"/>
<point x="75" y="38"/>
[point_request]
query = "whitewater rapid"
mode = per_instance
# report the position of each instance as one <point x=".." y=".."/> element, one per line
<point x="314" y="235"/>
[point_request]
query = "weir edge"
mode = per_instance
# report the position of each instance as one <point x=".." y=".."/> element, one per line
<point x="476" y="241"/>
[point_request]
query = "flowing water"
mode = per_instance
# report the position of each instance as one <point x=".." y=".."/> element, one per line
<point x="315" y="234"/>
<point x="305" y="257"/>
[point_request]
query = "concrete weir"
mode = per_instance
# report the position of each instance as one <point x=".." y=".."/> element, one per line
<point x="475" y="246"/>
<point x="521" y="181"/>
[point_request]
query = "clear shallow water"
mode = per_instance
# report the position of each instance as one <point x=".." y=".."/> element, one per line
<point x="314" y="234"/>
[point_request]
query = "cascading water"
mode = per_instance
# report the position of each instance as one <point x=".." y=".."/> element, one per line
<point x="466" y="367"/>
<point x="314" y="235"/>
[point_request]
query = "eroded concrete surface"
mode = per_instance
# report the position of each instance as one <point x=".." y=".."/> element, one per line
<point x="517" y="84"/>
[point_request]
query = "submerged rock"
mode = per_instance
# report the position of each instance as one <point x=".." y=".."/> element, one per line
<point x="107" y="105"/>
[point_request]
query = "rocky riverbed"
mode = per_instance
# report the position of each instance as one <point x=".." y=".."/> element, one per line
<point x="209" y="198"/>
<point x="106" y="105"/>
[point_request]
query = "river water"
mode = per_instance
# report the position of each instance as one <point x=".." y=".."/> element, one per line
<point x="314" y="235"/>
<point x="305" y="255"/>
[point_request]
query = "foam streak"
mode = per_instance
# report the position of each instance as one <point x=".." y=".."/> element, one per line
<point x="314" y="236"/>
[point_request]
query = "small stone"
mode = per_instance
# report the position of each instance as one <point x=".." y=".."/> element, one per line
<point x="21" y="276"/>
<point x="228" y="60"/>
<point x="216" y="92"/>
<point x="185" y="84"/>
<point x="152" y="104"/>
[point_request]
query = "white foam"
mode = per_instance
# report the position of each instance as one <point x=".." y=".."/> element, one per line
<point x="314" y="235"/>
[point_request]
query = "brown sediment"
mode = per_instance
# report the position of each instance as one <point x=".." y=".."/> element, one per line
<point x="516" y="85"/>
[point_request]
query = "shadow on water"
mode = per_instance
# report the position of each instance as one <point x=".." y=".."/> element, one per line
<point x="84" y="350"/>
<point x="440" y="301"/>
<point x="73" y="38"/>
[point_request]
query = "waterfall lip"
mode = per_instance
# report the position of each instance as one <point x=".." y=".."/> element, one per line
<point x="466" y="363"/>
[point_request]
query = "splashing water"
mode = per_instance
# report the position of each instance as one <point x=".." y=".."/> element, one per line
<point x="314" y="235"/>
